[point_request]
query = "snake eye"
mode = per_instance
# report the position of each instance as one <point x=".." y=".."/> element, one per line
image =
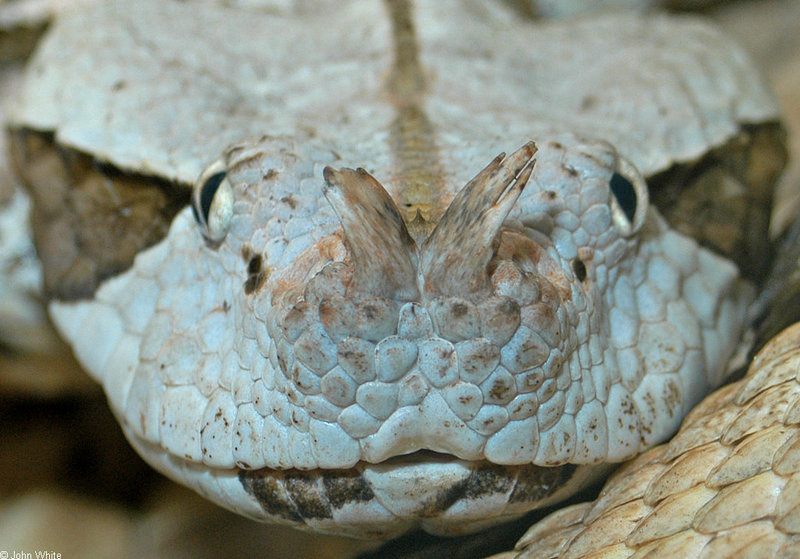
<point x="212" y="202"/>
<point x="629" y="197"/>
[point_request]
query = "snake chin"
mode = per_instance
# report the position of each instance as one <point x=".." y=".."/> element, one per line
<point x="444" y="494"/>
<point x="433" y="491"/>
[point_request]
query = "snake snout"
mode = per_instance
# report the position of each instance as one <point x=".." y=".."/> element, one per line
<point x="455" y="375"/>
<point x="448" y="347"/>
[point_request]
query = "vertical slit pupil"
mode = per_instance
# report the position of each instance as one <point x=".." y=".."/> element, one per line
<point x="625" y="194"/>
<point x="208" y="191"/>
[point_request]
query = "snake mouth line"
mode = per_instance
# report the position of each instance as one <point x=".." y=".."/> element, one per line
<point x="437" y="491"/>
<point x="422" y="485"/>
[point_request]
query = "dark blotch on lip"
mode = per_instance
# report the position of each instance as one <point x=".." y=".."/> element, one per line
<point x="299" y="496"/>
<point x="307" y="495"/>
<point x="524" y="484"/>
<point x="292" y="495"/>
<point x="485" y="479"/>
<point x="346" y="486"/>
<point x="268" y="492"/>
<point x="537" y="483"/>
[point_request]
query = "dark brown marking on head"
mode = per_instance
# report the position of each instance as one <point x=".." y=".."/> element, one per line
<point x="500" y="391"/>
<point x="90" y="219"/>
<point x="257" y="274"/>
<point x="502" y="316"/>
<point x="569" y="170"/>
<point x="254" y="283"/>
<point x="19" y="36"/>
<point x="485" y="479"/>
<point x="356" y="362"/>
<point x="370" y="311"/>
<point x="588" y="102"/>
<point x="459" y="309"/>
<point x="593" y="157"/>
<point x="537" y="483"/>
<point x="307" y="494"/>
<point x="254" y="265"/>
<point x="289" y="201"/>
<point x="345" y="486"/>
<point x="264" y="485"/>
<point x="580" y="270"/>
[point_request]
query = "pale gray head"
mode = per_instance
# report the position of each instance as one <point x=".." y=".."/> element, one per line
<point x="363" y="351"/>
<point x="294" y="345"/>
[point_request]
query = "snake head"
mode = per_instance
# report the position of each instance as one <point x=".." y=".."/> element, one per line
<point x="303" y="357"/>
<point x="513" y="333"/>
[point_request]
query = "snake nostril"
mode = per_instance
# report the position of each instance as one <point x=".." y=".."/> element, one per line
<point x="257" y="273"/>
<point x="254" y="266"/>
<point x="580" y="270"/>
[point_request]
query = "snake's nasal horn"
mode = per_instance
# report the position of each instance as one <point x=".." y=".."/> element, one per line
<point x="454" y="259"/>
<point x="383" y="254"/>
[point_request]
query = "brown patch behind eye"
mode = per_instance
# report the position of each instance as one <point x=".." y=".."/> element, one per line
<point x="89" y="219"/>
<point x="724" y="199"/>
